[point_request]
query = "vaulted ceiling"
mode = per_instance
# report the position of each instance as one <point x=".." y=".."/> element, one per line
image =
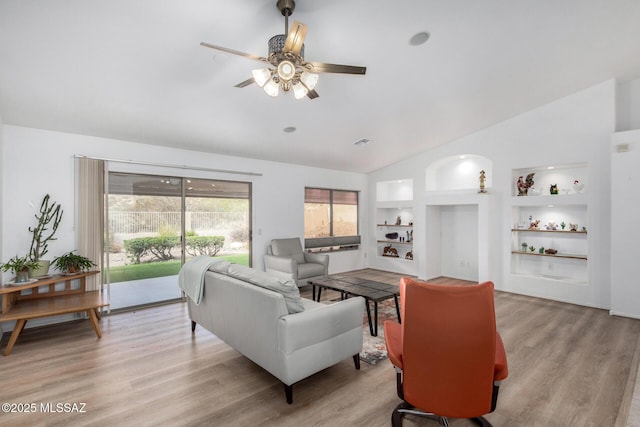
<point x="134" y="70"/>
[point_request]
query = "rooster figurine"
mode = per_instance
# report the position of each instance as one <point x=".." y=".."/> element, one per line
<point x="524" y="184"/>
<point x="578" y="186"/>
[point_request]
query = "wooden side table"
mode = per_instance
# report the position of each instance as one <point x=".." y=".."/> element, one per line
<point x="46" y="298"/>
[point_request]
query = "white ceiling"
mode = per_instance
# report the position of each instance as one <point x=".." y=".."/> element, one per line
<point x="134" y="70"/>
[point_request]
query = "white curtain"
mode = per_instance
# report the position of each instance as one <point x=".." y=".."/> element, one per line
<point x="91" y="215"/>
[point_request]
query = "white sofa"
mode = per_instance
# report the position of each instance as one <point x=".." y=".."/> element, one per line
<point x="290" y="337"/>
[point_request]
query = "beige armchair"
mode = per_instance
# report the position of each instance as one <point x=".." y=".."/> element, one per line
<point x="286" y="257"/>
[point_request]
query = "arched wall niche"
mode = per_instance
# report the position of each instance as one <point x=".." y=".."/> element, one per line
<point x="459" y="172"/>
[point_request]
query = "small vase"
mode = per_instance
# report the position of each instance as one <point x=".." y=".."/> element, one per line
<point x="22" y="276"/>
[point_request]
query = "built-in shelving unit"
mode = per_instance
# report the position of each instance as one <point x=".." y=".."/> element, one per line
<point x="400" y="247"/>
<point x="394" y="226"/>
<point x="549" y="235"/>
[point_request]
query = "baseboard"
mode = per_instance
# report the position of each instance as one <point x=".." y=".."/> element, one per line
<point x="623" y="314"/>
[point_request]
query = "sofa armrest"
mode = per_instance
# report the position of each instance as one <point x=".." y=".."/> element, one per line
<point x="310" y="327"/>
<point x="277" y="264"/>
<point x="318" y="259"/>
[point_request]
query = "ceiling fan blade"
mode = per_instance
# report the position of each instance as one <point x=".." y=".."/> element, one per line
<point x="312" y="94"/>
<point x="321" y="67"/>
<point x="235" y="52"/>
<point x="246" y="82"/>
<point x="295" y="38"/>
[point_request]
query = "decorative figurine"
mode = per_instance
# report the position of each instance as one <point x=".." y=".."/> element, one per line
<point x="482" y="179"/>
<point x="524" y="184"/>
<point x="578" y="186"/>
<point x="389" y="251"/>
<point x="553" y="189"/>
<point x="409" y="255"/>
<point x="573" y="227"/>
<point x="398" y="220"/>
<point x="534" y="224"/>
<point x="541" y="250"/>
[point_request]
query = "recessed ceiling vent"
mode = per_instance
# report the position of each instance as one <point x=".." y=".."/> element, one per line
<point x="362" y="142"/>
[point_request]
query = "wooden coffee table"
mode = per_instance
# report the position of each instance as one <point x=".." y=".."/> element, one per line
<point x="370" y="290"/>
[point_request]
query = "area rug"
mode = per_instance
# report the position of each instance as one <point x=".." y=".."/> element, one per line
<point x="374" y="349"/>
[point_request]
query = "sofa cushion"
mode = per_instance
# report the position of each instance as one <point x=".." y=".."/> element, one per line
<point x="288" y="248"/>
<point x="287" y="287"/>
<point x="310" y="269"/>
<point x="220" y="265"/>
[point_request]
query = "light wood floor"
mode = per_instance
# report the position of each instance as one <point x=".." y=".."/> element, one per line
<point x="569" y="366"/>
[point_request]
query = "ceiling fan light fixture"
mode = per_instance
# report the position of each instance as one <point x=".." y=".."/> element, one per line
<point x="310" y="80"/>
<point x="286" y="70"/>
<point x="271" y="88"/>
<point x="261" y="76"/>
<point x="299" y="91"/>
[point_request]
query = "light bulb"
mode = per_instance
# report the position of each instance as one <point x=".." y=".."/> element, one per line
<point x="310" y="80"/>
<point x="299" y="91"/>
<point x="261" y="76"/>
<point x="271" y="88"/>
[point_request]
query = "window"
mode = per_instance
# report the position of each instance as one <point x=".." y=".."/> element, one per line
<point x="329" y="217"/>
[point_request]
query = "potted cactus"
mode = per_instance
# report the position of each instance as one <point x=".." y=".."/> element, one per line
<point x="49" y="219"/>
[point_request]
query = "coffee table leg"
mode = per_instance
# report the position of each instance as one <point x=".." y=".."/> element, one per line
<point x="375" y="325"/>
<point x="366" y="301"/>
<point x="395" y="298"/>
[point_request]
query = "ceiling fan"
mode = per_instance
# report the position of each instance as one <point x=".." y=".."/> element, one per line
<point x="288" y="69"/>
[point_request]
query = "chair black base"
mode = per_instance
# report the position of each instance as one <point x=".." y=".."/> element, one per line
<point x="406" y="409"/>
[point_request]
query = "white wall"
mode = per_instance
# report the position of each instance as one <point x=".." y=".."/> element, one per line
<point x="572" y="129"/>
<point x="459" y="244"/>
<point x="625" y="211"/>
<point x="628" y="105"/>
<point x="37" y="162"/>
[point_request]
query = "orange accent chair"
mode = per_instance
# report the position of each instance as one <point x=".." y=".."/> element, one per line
<point x="448" y="356"/>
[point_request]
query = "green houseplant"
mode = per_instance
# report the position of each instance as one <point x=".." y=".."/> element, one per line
<point x="20" y="266"/>
<point x="48" y="221"/>
<point x="70" y="263"/>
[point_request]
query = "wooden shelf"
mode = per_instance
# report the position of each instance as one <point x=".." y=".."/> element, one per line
<point x="395" y="242"/>
<point x="45" y="298"/>
<point x="570" y="256"/>
<point x="533" y="230"/>
<point x="394" y="225"/>
<point x="63" y="304"/>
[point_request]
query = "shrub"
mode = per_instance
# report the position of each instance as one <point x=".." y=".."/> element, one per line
<point x="136" y="248"/>
<point x="160" y="247"/>
<point x="204" y="245"/>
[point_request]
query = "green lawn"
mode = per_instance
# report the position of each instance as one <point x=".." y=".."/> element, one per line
<point x="148" y="270"/>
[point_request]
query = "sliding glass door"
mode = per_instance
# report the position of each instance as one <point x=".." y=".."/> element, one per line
<point x="155" y="223"/>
